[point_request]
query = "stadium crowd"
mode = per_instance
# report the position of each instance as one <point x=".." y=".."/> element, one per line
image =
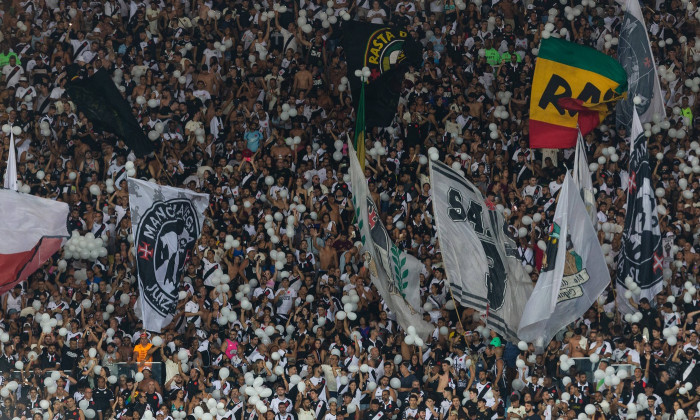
<point x="249" y="102"/>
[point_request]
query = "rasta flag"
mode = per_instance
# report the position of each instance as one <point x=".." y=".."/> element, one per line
<point x="100" y="100"/>
<point x="574" y="88"/>
<point x="388" y="52"/>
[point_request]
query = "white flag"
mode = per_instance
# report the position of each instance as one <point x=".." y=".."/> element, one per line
<point x="635" y="54"/>
<point x="573" y="272"/>
<point x="166" y="223"/>
<point x="31" y="231"/>
<point x="394" y="273"/>
<point x="11" y="170"/>
<point x="481" y="262"/>
<point x="582" y="178"/>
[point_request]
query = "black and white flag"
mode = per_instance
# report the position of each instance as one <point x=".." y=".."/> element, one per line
<point x="481" y="261"/>
<point x="166" y="223"/>
<point x="641" y="256"/>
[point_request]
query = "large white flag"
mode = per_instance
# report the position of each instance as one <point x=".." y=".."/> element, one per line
<point x="582" y="178"/>
<point x="394" y="273"/>
<point x="31" y="231"/>
<point x="11" y="170"/>
<point x="573" y="272"/>
<point x="166" y="222"/>
<point x="481" y="262"/>
<point x="635" y="54"/>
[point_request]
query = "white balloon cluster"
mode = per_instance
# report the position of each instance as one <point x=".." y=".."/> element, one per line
<point x="501" y="112"/>
<point x="504" y="97"/>
<point x="412" y="338"/>
<point x="377" y="150"/>
<point x="292" y="141"/>
<point x="231" y="243"/>
<point x="565" y="363"/>
<point x="7" y="129"/>
<point x="86" y="247"/>
<point x="256" y="393"/>
<point x="690" y="291"/>
<point x="671" y="335"/>
<point x="350" y="302"/>
<point x="633" y="289"/>
<point x="289" y="112"/>
<point x="610" y="41"/>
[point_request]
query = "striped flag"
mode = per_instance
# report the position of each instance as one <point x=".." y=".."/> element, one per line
<point x="573" y="88"/>
<point x="32" y="230"/>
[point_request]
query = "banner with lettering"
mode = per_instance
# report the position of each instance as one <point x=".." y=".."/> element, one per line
<point x="481" y="262"/>
<point x="166" y="223"/>
<point x="573" y="272"/>
<point x="574" y="88"/>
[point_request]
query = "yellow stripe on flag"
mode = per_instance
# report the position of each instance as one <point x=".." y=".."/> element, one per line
<point x="554" y="80"/>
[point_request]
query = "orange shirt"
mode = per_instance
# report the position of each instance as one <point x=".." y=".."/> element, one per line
<point x="142" y="352"/>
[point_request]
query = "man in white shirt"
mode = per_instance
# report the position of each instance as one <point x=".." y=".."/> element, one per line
<point x="12" y="72"/>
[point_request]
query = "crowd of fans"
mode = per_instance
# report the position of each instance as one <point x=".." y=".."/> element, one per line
<point x="249" y="102"/>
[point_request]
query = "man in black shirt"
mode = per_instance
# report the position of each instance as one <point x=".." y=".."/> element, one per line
<point x="103" y="397"/>
<point x="374" y="413"/>
<point x="69" y="354"/>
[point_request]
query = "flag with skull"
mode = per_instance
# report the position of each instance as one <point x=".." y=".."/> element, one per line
<point x="166" y="223"/>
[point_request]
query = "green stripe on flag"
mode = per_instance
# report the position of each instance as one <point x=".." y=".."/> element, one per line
<point x="359" y="140"/>
<point x="583" y="57"/>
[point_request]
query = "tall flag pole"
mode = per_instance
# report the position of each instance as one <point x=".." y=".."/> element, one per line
<point x="640" y="264"/>
<point x="11" y="170"/>
<point x="582" y="179"/>
<point x="635" y="54"/>
<point x="359" y="140"/>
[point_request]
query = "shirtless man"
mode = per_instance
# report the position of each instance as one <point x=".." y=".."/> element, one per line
<point x="280" y="150"/>
<point x="303" y="80"/>
<point x="328" y="256"/>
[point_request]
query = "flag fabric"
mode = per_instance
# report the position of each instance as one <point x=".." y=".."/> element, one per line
<point x="573" y="272"/>
<point x="573" y="88"/>
<point x="582" y="179"/>
<point x="10" y="181"/>
<point x="166" y="222"/>
<point x="394" y="272"/>
<point x="635" y="54"/>
<point x="388" y="52"/>
<point x="32" y="230"/>
<point x="641" y="256"/>
<point x="100" y="100"/>
<point x="481" y="262"/>
<point x="359" y="142"/>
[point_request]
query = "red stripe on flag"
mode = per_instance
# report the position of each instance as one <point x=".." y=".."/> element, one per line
<point x="544" y="135"/>
<point x="588" y="117"/>
<point x="15" y="268"/>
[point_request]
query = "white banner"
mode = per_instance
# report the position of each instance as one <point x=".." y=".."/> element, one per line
<point x="166" y="223"/>
<point x="573" y="272"/>
<point x="394" y="273"/>
<point x="481" y="261"/>
<point x="582" y="178"/>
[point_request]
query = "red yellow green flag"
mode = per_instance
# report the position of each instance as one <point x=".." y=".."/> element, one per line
<point x="574" y="88"/>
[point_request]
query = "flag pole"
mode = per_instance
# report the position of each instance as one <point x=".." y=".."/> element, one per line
<point x="360" y="127"/>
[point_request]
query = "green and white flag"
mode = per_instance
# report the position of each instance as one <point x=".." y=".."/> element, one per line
<point x="394" y="273"/>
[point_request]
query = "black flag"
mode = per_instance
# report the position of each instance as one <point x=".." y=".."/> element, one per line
<point x="100" y="100"/>
<point x="641" y="257"/>
<point x="388" y="52"/>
